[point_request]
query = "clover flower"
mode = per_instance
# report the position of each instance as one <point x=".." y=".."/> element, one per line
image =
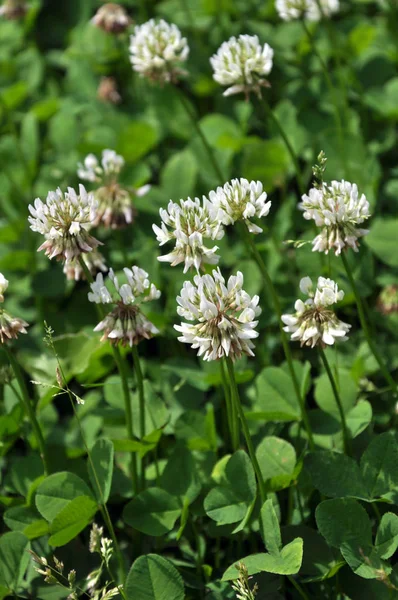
<point x="306" y="9"/>
<point x="314" y="322"/>
<point x="189" y="223"/>
<point x="108" y="91"/>
<point x="225" y="316"/>
<point x="94" y="262"/>
<point x="14" y="9"/>
<point x="112" y="18"/>
<point x="241" y="63"/>
<point x="115" y="208"/>
<point x="10" y="326"/>
<point x="157" y="50"/>
<point x="64" y="220"/>
<point x="126" y="323"/>
<point x="239" y="200"/>
<point x="387" y="302"/>
<point x="339" y="209"/>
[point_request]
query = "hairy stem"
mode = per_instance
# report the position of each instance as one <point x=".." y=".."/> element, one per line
<point x="29" y="409"/>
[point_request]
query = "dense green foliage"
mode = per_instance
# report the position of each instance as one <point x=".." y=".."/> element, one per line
<point x="329" y="526"/>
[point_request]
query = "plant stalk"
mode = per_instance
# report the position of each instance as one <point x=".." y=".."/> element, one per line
<point x="233" y="425"/>
<point x="141" y="397"/>
<point x="245" y="428"/>
<point x="365" y="326"/>
<point x="29" y="409"/>
<point x="346" y="436"/>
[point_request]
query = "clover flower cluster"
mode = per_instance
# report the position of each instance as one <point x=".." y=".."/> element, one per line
<point x="94" y="262"/>
<point x="112" y="18"/>
<point x="314" y="322"/>
<point x="310" y="10"/>
<point x="14" y="9"/>
<point x="189" y="224"/>
<point x="240" y="200"/>
<point x="10" y="327"/>
<point x="64" y="220"/>
<point x="225" y="316"/>
<point x="115" y="207"/>
<point x="339" y="209"/>
<point x="126" y="323"/>
<point x="157" y="51"/>
<point x="242" y="63"/>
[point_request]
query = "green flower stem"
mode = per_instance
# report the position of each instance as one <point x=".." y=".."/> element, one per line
<point x="285" y="343"/>
<point x="245" y="428"/>
<point x="29" y="409"/>
<point x="233" y="425"/>
<point x="141" y="397"/>
<point x="217" y="169"/>
<point x="346" y="435"/>
<point x="365" y="326"/>
<point x="298" y="587"/>
<point x="126" y="392"/>
<point x="271" y="116"/>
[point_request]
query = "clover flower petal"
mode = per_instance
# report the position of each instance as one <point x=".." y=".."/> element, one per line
<point x="225" y="316"/>
<point x="314" y="322"/>
<point x="338" y="209"/>
<point x="289" y="10"/>
<point x="10" y="326"/>
<point x="238" y="200"/>
<point x="189" y="224"/>
<point x="64" y="219"/>
<point x="125" y="323"/>
<point x="157" y="50"/>
<point x="241" y="63"/>
<point x="94" y="261"/>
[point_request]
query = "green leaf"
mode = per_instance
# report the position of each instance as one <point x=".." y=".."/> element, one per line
<point x="71" y="520"/>
<point x="136" y="140"/>
<point x="18" y="517"/>
<point x="324" y="393"/>
<point x="101" y="469"/>
<point x="57" y="491"/>
<point x="267" y="161"/>
<point x="379" y="465"/>
<point x="153" y="577"/>
<point x="277" y="460"/>
<point x="387" y="535"/>
<point x="335" y="475"/>
<point x="270" y="529"/>
<point x="153" y="512"/>
<point x="359" y="417"/>
<point x="254" y="564"/>
<point x="14" y="559"/>
<point x="180" y="477"/>
<point x="275" y="397"/>
<point x="382" y="240"/>
<point x="230" y="501"/>
<point x="288" y="562"/>
<point x="179" y="175"/>
<point x="364" y="560"/>
<point x="343" y="520"/>
<point x="36" y="529"/>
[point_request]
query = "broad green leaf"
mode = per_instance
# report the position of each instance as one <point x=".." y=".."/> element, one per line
<point x="57" y="491"/>
<point x="267" y="161"/>
<point x="153" y="512"/>
<point x="153" y="577"/>
<point x="343" y="520"/>
<point x="382" y="240"/>
<point x="254" y="564"/>
<point x="289" y="560"/>
<point x="387" y="535"/>
<point x="18" y="517"/>
<point x="335" y="475"/>
<point x="324" y="393"/>
<point x="71" y="520"/>
<point x="379" y="465"/>
<point x="136" y="140"/>
<point x="14" y="559"/>
<point x="180" y="477"/>
<point x="270" y="529"/>
<point x="277" y="460"/>
<point x="179" y="175"/>
<point x="229" y="502"/>
<point x="359" y="417"/>
<point x="100" y="470"/>
<point x="275" y="398"/>
<point x="364" y="560"/>
<point x="36" y="529"/>
<point x="319" y="560"/>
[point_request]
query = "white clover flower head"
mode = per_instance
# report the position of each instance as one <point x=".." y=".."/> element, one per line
<point x="241" y="63"/>
<point x="225" y="316"/>
<point x="14" y="9"/>
<point x="112" y="18"/>
<point x="108" y="90"/>
<point x="157" y="51"/>
<point x="64" y="220"/>
<point x="3" y="286"/>
<point x="240" y="200"/>
<point x="309" y="10"/>
<point x="10" y="327"/>
<point x="111" y="165"/>
<point x="339" y="209"/>
<point x="189" y="224"/>
<point x="94" y="261"/>
<point x="387" y="302"/>
<point x="314" y="322"/>
<point x="126" y="323"/>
